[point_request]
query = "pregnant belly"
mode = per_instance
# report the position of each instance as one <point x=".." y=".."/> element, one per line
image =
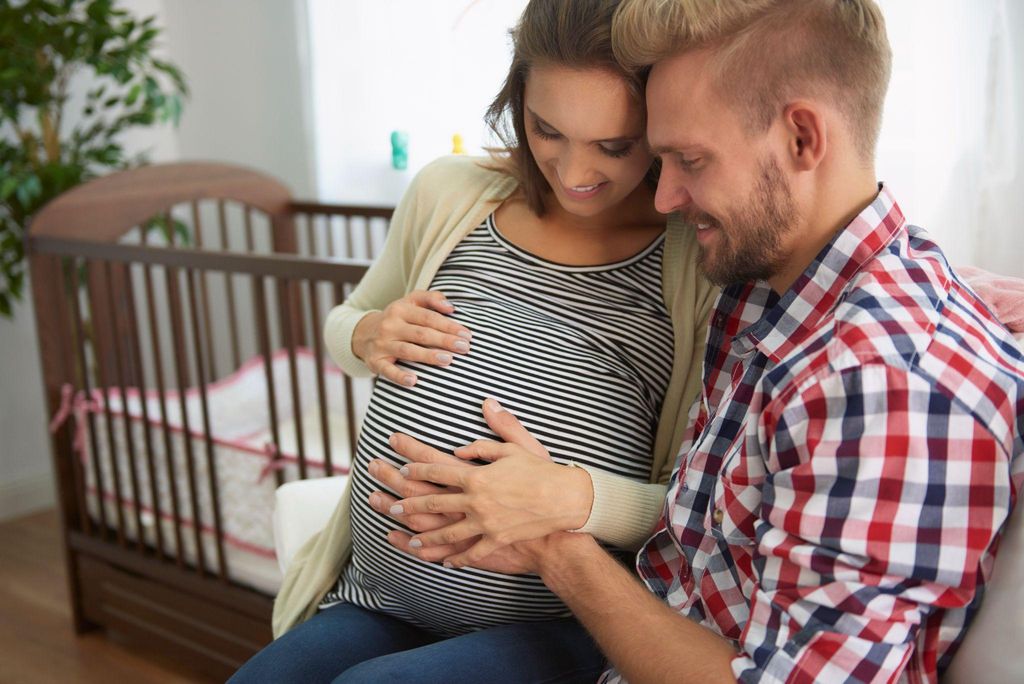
<point x="596" y="417"/>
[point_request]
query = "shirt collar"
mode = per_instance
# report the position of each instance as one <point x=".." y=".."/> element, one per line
<point x="818" y="289"/>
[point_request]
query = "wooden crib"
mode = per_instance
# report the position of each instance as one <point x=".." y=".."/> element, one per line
<point x="179" y="310"/>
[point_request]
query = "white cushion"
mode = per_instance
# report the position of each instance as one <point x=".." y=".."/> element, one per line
<point x="993" y="651"/>
<point x="301" y="509"/>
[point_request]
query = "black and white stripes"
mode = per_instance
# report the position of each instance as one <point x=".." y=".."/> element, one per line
<point x="582" y="355"/>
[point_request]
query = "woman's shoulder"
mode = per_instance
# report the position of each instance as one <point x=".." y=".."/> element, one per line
<point x="681" y="259"/>
<point x="681" y="242"/>
<point x="460" y="173"/>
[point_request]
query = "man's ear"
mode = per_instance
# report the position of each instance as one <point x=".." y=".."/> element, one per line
<point x="807" y="135"/>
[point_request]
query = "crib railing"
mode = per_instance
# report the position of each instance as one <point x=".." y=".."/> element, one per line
<point x="140" y="320"/>
<point x="170" y="300"/>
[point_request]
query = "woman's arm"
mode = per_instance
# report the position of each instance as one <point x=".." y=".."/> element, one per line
<point x="381" y="321"/>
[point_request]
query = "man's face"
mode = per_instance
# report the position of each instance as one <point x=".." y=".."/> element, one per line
<point x="725" y="182"/>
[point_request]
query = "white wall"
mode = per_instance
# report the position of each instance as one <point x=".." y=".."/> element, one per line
<point x="244" y="63"/>
<point x="428" y="68"/>
<point x="246" y="67"/>
<point x="949" y="147"/>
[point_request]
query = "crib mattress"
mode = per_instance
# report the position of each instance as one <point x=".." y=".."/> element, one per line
<point x="243" y="455"/>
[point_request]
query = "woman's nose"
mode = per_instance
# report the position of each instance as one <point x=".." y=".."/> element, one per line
<point x="575" y="169"/>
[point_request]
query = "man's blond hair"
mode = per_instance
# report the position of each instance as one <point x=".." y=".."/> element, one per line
<point x="768" y="53"/>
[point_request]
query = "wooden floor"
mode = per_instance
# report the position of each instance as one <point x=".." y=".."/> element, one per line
<point x="37" y="639"/>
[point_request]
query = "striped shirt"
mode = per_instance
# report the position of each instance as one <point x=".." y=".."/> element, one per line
<point x="858" y="450"/>
<point x="581" y="354"/>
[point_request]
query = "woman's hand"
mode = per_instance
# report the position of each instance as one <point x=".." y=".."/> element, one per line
<point x="388" y="475"/>
<point x="414" y="328"/>
<point x="508" y="560"/>
<point x="520" y="495"/>
<point x="383" y="502"/>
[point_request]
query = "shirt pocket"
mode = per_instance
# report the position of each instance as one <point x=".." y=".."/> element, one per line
<point x="736" y="504"/>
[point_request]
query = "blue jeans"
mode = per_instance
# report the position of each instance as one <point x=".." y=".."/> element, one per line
<point x="346" y="644"/>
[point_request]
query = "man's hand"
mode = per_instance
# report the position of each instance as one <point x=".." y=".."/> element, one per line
<point x="520" y="496"/>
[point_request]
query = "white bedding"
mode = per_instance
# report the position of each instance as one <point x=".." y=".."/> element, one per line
<point x="242" y="457"/>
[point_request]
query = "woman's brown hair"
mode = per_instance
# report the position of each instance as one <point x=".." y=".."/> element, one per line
<point x="570" y="33"/>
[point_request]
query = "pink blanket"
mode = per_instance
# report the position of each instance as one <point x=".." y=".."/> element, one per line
<point x="1003" y="294"/>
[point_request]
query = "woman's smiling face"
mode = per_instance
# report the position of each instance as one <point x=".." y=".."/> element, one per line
<point x="585" y="130"/>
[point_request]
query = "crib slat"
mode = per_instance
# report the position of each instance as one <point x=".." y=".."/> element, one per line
<point x="94" y="286"/>
<point x="250" y="245"/>
<point x="122" y="369"/>
<point x="211" y="472"/>
<point x="329" y="228"/>
<point x="321" y="392"/>
<point x="350" y="247"/>
<point x="182" y="373"/>
<point x="147" y="432"/>
<point x="310" y="236"/>
<point x="263" y="335"/>
<point x="204" y="289"/>
<point x="368" y="236"/>
<point x="284" y="299"/>
<point x="161" y="387"/>
<point x="230" y="287"/>
<point x="82" y="381"/>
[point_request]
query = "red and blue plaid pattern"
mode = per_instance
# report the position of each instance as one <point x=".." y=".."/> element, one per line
<point x="856" y="453"/>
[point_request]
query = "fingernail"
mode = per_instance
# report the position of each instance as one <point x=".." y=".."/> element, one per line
<point x="465" y="334"/>
<point x="495" y="406"/>
<point x="415" y="543"/>
<point x="375" y="501"/>
<point x="396" y="510"/>
<point x="404" y="470"/>
<point x="408" y="380"/>
<point x="393" y="438"/>
<point x="444" y="358"/>
<point x="461" y="346"/>
<point x="448" y="565"/>
<point x="372" y="468"/>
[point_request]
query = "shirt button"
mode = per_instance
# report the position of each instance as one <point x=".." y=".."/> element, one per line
<point x="718" y="516"/>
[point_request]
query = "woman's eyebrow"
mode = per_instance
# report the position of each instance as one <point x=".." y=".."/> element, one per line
<point x="540" y="119"/>
<point x="617" y="139"/>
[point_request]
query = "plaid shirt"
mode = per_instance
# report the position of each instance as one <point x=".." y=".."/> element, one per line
<point x="857" y="452"/>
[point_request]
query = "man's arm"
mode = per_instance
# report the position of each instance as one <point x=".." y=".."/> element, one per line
<point x="643" y="638"/>
<point x="883" y="495"/>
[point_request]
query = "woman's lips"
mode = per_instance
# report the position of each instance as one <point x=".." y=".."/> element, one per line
<point x="583" y="192"/>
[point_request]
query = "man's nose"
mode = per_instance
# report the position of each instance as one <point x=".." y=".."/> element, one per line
<point x="671" y="194"/>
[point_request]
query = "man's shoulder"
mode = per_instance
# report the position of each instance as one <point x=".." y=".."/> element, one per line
<point x="909" y="309"/>
<point x="892" y="307"/>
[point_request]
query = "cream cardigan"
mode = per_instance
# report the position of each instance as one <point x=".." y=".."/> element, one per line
<point x="446" y="200"/>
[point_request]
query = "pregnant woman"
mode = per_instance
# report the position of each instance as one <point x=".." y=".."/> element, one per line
<point x="542" y="277"/>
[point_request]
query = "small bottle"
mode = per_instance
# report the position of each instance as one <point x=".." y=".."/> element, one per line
<point x="399" y="150"/>
<point x="457" y="147"/>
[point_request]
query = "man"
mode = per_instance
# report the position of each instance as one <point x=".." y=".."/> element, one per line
<point x="857" y="448"/>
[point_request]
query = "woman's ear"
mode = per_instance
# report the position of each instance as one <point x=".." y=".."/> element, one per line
<point x="807" y="135"/>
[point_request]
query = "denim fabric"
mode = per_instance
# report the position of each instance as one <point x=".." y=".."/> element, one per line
<point x="346" y="644"/>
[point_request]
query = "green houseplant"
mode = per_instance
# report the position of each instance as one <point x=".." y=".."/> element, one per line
<point x="46" y="149"/>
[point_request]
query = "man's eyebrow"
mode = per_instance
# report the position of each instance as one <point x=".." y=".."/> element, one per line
<point x="617" y="139"/>
<point x="676" y="148"/>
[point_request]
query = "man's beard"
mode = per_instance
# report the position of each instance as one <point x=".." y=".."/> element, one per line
<point x="750" y="242"/>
